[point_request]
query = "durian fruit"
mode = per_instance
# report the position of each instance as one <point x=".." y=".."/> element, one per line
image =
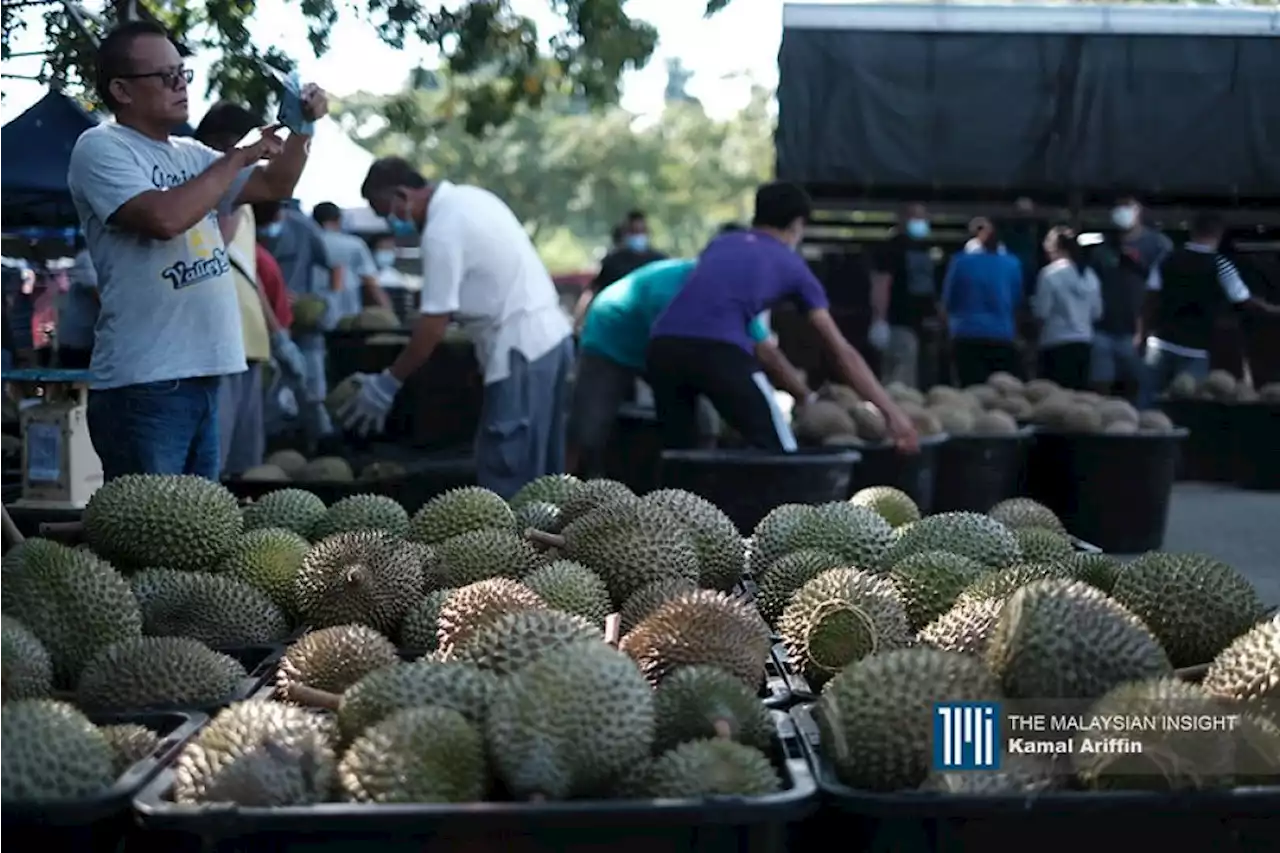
<point x="333" y="659"/>
<point x="787" y="574"/>
<point x="158" y="672"/>
<point x="893" y="505"/>
<point x="701" y="627"/>
<point x="289" y="460"/>
<point x="290" y="509"/>
<point x="968" y="534"/>
<point x="929" y="583"/>
<point x="1220" y="385"/>
<point x="309" y="310"/>
<point x="74" y="603"/>
<point x="711" y="768"/>
<point x="457" y="686"/>
<point x="773" y="534"/>
<point x="1247" y="672"/>
<point x="1019" y="775"/>
<point x="1002" y="583"/>
<point x="460" y="511"/>
<point x="573" y="588"/>
<point x="539" y="515"/>
<point x="819" y="419"/>
<point x="1020" y="513"/>
<point x="368" y="577"/>
<point x="470" y="608"/>
<point x="1097" y="570"/>
<point x="265" y="473"/>
<point x="570" y="723"/>
<point x="1154" y="420"/>
<point x="341" y="394"/>
<point x="514" y="640"/>
<point x="721" y="553"/>
<point x="1001" y="423"/>
<point x="955" y="420"/>
<point x="421" y="625"/>
<point x="130" y="743"/>
<point x="34" y="548"/>
<point x="425" y="754"/>
<point x="52" y="753"/>
<point x="482" y="554"/>
<point x="218" y="610"/>
<point x="701" y="702"/>
<point x="1043" y="546"/>
<point x="1195" y="605"/>
<point x="590" y="495"/>
<point x="554" y="489"/>
<point x="27" y="669"/>
<point x="362" y="512"/>
<point x="965" y="628"/>
<point x="876" y="717"/>
<point x="258" y="754"/>
<point x="1105" y="646"/>
<point x="868" y="605"/>
<point x="268" y="559"/>
<point x="858" y="534"/>
<point x="174" y="520"/>
<point x="649" y="598"/>
<point x="327" y="469"/>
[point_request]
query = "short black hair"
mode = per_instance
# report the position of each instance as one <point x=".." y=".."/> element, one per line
<point x="388" y="173"/>
<point x="265" y="211"/>
<point x="113" y="56"/>
<point x="779" y="203"/>
<point x="1208" y="224"/>
<point x="326" y="212"/>
<point x="375" y="239"/>
<point x="633" y="215"/>
<point x="618" y="233"/>
<point x="225" y="119"/>
<point x="730" y="227"/>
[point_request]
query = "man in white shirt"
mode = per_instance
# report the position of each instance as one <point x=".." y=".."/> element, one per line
<point x="480" y="268"/>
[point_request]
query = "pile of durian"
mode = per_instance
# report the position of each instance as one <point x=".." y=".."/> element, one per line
<point x="291" y="465"/>
<point x="1223" y="387"/>
<point x="888" y="613"/>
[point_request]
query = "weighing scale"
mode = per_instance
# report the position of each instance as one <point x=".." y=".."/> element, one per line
<point x="60" y="470"/>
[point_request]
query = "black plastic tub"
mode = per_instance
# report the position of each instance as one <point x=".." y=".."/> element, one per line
<point x="259" y="661"/>
<point x="1110" y="490"/>
<point x="717" y="825"/>
<point x="747" y="484"/>
<point x="426" y="475"/>
<point x="635" y="448"/>
<point x="1256" y="446"/>
<point x="1207" y="453"/>
<point x="913" y="473"/>
<point x="797" y="685"/>
<point x="1245" y="820"/>
<point x="100" y="824"/>
<point x="976" y="472"/>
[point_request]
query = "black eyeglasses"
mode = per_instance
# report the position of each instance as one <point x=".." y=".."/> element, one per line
<point x="169" y="76"/>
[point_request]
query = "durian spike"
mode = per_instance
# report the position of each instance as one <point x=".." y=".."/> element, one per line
<point x="723" y="729"/>
<point x="304" y="695"/>
<point x="11" y="531"/>
<point x="613" y="629"/>
<point x="356" y="575"/>
<point x="541" y="537"/>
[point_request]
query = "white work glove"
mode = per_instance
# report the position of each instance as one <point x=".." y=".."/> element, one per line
<point x="878" y="334"/>
<point x="288" y="356"/>
<point x="367" y="411"/>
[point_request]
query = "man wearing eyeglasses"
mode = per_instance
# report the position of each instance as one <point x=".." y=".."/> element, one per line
<point x="169" y="327"/>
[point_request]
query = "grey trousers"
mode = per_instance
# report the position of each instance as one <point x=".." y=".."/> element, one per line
<point x="522" y="421"/>
<point x="241" y="431"/>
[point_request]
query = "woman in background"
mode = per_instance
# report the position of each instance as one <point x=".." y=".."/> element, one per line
<point x="1067" y="302"/>
<point x="981" y="294"/>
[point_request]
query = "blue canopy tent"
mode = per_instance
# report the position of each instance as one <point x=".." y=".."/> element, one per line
<point x="35" y="149"/>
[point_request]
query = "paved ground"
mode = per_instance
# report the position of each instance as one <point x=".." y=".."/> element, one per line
<point x="1239" y="527"/>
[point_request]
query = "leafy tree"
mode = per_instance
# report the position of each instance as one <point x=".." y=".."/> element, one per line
<point x="495" y="57"/>
<point x="569" y="171"/>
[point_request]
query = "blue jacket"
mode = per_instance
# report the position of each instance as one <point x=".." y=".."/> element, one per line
<point x="981" y="294"/>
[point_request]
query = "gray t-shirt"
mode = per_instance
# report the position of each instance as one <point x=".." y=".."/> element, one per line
<point x="168" y="307"/>
<point x="350" y="253"/>
<point x="300" y="250"/>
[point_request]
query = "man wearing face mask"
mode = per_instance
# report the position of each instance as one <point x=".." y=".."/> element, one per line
<point x="480" y="267"/>
<point x="1124" y="262"/>
<point x="633" y="253"/>
<point x="700" y="345"/>
<point x="390" y="280"/>
<point x="903" y="295"/>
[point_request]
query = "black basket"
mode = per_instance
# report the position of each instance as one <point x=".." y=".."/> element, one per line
<point x="747" y="484"/>
<point x="99" y="824"/>
<point x="634" y="451"/>
<point x="260" y="660"/>
<point x="976" y="472"/>
<point x="1256" y="462"/>
<point x="913" y="473"/>
<point x="717" y="825"/>
<point x="1208" y="451"/>
<point x="426" y="475"/>
<point x="1110" y="490"/>
<point x="797" y="685"/>
<point x="1245" y="820"/>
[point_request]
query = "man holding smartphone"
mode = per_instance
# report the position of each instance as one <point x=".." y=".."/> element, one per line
<point x="149" y="202"/>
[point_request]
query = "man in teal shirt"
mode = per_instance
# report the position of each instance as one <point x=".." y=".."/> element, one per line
<point x="611" y="355"/>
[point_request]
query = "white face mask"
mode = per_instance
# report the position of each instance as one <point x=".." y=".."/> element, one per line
<point x="1124" y="217"/>
<point x="385" y="257"/>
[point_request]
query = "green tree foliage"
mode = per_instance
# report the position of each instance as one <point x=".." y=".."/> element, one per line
<point x="571" y="173"/>
<point x="501" y="55"/>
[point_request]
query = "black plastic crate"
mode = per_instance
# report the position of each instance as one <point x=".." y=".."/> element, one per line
<point x="717" y="825"/>
<point x="797" y="685"/>
<point x="99" y="824"/>
<point x="1245" y="820"/>
<point x="260" y="660"/>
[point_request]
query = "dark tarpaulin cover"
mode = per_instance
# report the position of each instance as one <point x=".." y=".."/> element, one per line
<point x="1169" y="115"/>
<point x="35" y="150"/>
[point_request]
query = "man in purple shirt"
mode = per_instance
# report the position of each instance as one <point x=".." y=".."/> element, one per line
<point x="700" y="345"/>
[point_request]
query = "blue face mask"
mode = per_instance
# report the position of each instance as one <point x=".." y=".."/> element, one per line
<point x="271" y="230"/>
<point x="918" y="228"/>
<point x="638" y="242"/>
<point x="400" y="227"/>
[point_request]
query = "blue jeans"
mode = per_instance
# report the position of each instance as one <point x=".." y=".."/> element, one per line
<point x="1162" y="367"/>
<point x="168" y="427"/>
